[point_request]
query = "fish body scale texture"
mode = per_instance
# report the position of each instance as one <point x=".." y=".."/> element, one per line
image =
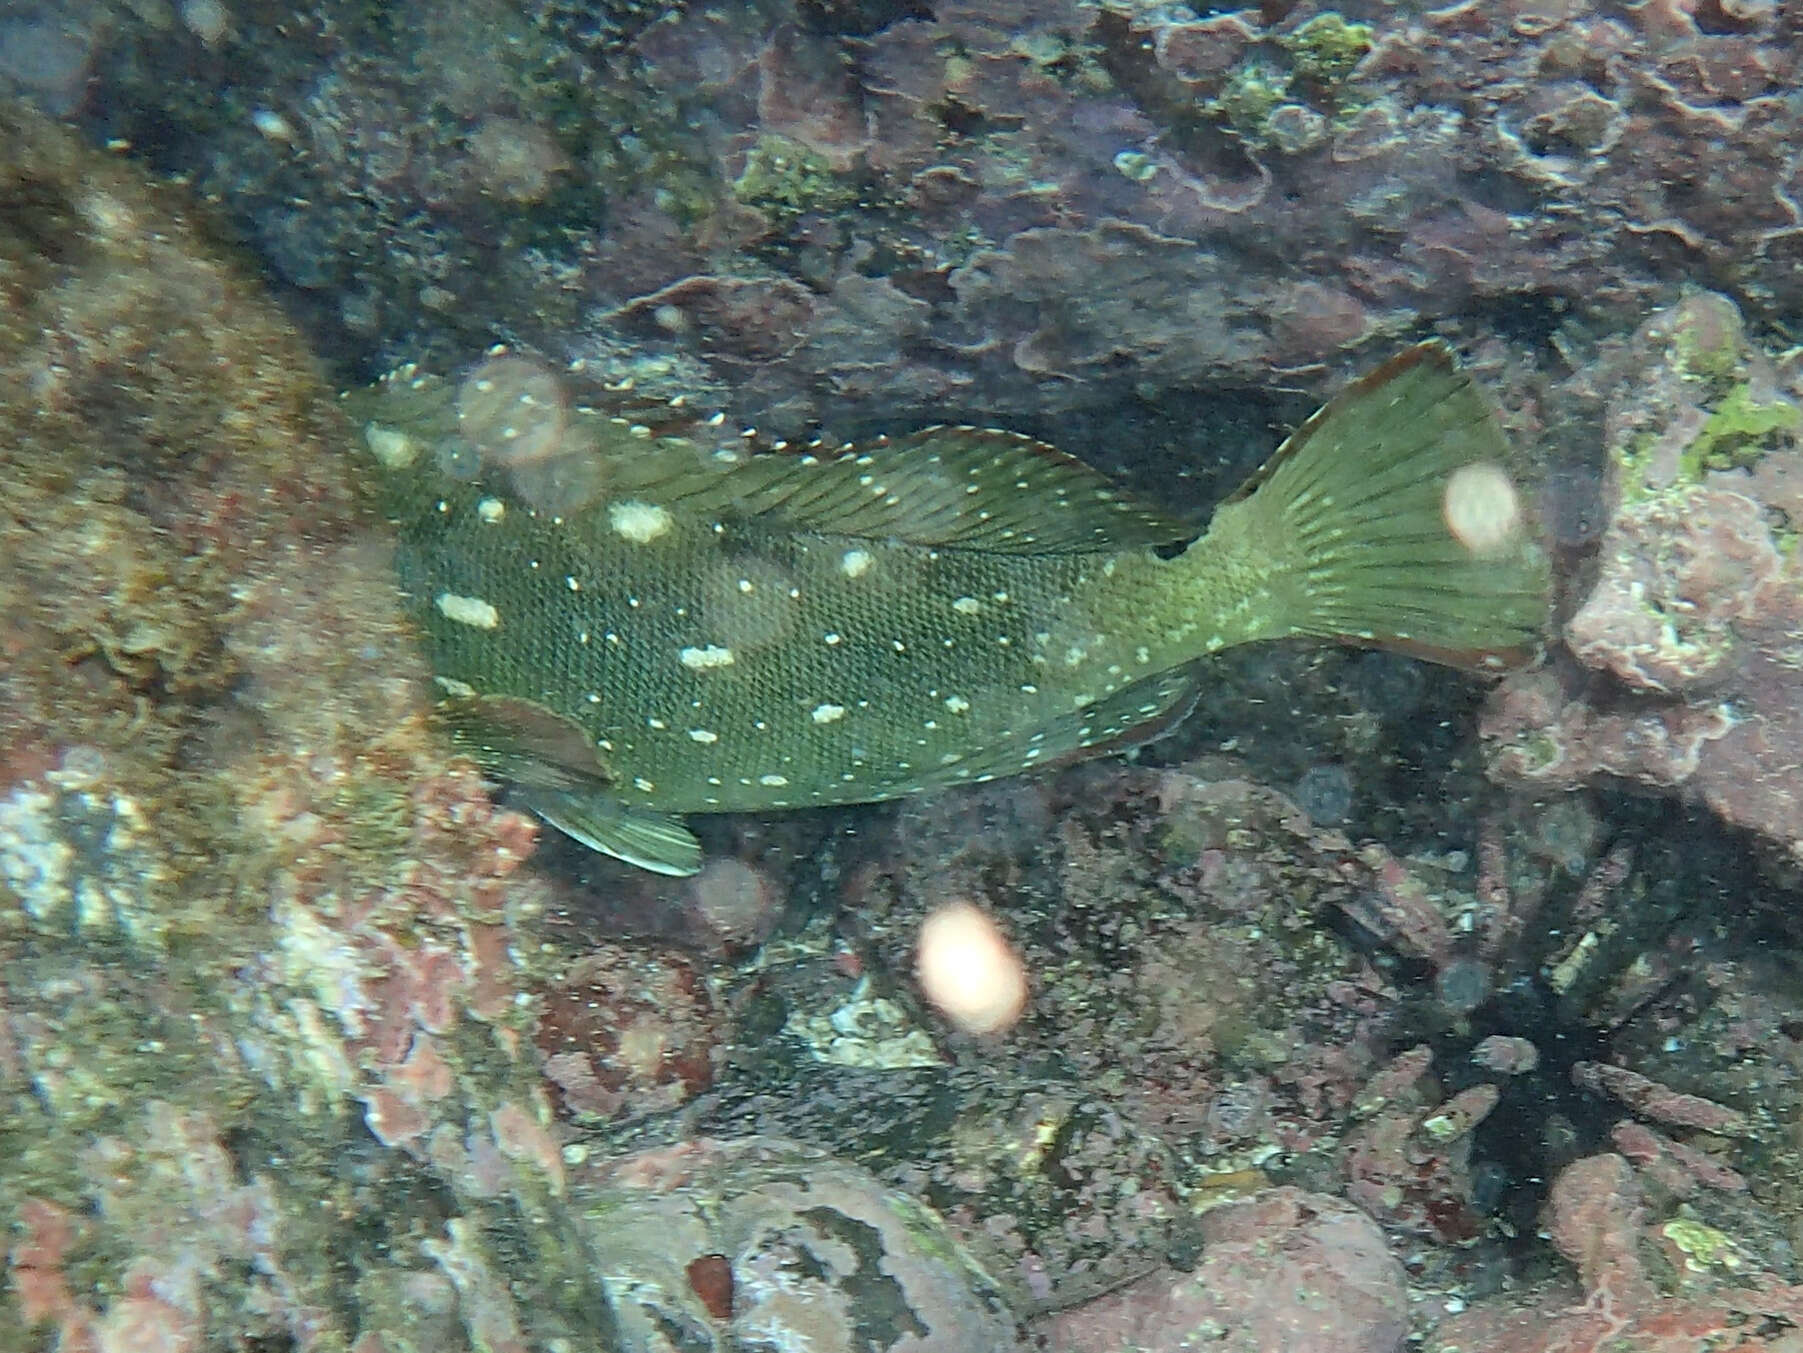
<point x="725" y="666"/>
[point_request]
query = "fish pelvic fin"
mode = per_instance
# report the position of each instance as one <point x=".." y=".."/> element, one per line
<point x="650" y="840"/>
<point x="1390" y="519"/>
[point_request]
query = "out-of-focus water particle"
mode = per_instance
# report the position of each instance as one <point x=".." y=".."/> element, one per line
<point x="969" y="970"/>
<point x="513" y="409"/>
<point x="1482" y="509"/>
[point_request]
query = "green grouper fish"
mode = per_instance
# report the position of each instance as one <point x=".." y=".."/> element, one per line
<point x="717" y="632"/>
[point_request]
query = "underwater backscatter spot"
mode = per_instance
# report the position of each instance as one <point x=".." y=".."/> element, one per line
<point x="750" y="601"/>
<point x="513" y="409"/>
<point x="1482" y="509"/>
<point x="561" y="484"/>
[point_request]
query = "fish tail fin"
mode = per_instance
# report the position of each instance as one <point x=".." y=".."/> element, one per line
<point x="1389" y="519"/>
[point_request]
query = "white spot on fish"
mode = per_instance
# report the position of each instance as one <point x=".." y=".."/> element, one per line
<point x="854" y="563"/>
<point x="1142" y="655"/>
<point x="570" y="579"/>
<point x="700" y="659"/>
<point x="1074" y="655"/>
<point x="491" y="510"/>
<point x="774" y="781"/>
<point x="655" y="722"/>
<point x="461" y="689"/>
<point x="957" y="704"/>
<point x="967" y="605"/>
<point x="471" y="611"/>
<point x="703" y="735"/>
<point x="638" y="522"/>
<point x="392" y="447"/>
<point x="830" y="639"/>
<point x="827" y="713"/>
<point x="643" y="785"/>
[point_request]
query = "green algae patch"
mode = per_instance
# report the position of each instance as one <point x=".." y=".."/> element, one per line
<point x="1254" y="89"/>
<point x="783" y="178"/>
<point x="1708" y="341"/>
<point x="1740" y="430"/>
<point x="1327" y="48"/>
<point x="1287" y="100"/>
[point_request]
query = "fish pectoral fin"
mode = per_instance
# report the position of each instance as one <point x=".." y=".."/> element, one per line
<point x="650" y="840"/>
<point x="523" y="741"/>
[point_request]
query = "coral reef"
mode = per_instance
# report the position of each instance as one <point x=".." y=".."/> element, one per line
<point x="853" y="212"/>
<point x="1649" y="1283"/>
<point x="296" y="1049"/>
<point x="261" y="941"/>
<point x="1686" y="645"/>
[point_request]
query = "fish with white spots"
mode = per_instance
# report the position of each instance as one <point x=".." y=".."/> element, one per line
<point x="745" y="633"/>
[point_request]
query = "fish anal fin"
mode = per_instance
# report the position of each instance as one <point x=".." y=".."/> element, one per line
<point x="1128" y="718"/>
<point x="1143" y="712"/>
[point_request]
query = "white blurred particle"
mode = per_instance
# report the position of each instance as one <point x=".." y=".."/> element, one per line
<point x="1482" y="509"/>
<point x="969" y="970"/>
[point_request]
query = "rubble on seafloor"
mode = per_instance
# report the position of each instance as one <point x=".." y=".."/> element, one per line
<point x="1255" y="1050"/>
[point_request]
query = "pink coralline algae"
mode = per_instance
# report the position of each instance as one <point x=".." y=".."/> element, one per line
<point x="1284" y="1271"/>
<point x="1410" y="1164"/>
<point x="845" y="211"/>
<point x="1647" y="1285"/>
<point x="262" y="941"/>
<point x="1687" y="644"/>
<point x="1072" y="199"/>
<point x="628" y="1029"/>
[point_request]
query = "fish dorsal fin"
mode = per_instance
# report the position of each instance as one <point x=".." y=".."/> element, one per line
<point x="946" y="487"/>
